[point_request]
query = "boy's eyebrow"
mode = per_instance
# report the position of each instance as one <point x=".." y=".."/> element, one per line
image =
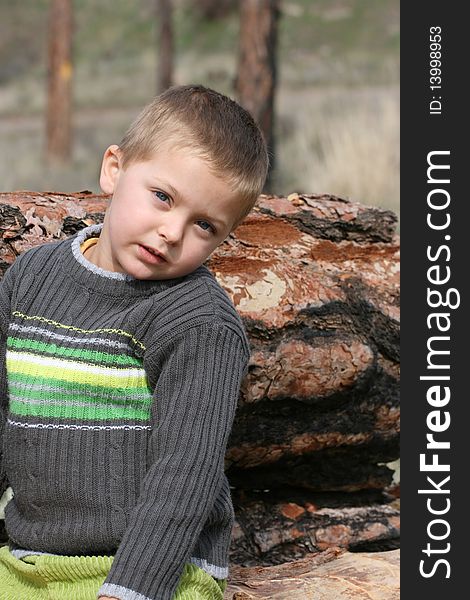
<point x="174" y="192"/>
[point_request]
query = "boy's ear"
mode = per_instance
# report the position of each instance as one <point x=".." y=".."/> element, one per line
<point x="110" y="168"/>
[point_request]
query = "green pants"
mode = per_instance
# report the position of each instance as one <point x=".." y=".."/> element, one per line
<point x="43" y="577"/>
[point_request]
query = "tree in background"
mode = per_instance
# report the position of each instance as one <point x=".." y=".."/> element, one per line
<point x="214" y="9"/>
<point x="59" y="93"/>
<point x="256" y="79"/>
<point x="165" y="45"/>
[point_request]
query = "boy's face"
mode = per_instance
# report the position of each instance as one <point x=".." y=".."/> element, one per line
<point x="172" y="204"/>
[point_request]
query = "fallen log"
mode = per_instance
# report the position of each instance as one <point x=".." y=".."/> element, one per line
<point x="326" y="575"/>
<point x="316" y="281"/>
<point x="276" y="526"/>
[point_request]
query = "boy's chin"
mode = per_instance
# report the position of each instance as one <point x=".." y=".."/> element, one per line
<point x="143" y="273"/>
<point x="140" y="269"/>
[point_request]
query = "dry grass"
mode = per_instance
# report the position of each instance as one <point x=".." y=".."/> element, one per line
<point x="341" y="141"/>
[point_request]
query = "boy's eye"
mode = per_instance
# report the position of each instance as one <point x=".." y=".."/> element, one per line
<point x="209" y="226"/>
<point x="205" y="225"/>
<point x="161" y="196"/>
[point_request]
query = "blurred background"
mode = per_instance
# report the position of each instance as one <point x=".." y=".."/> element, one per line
<point x="74" y="73"/>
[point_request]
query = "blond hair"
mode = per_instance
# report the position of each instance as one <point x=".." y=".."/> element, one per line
<point x="211" y="126"/>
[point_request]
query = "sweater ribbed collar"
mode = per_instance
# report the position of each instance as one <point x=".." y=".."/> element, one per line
<point x="84" y="272"/>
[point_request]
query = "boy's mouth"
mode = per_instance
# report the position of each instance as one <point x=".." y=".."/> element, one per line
<point x="149" y="252"/>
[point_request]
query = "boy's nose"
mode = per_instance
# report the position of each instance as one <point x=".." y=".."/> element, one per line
<point x="171" y="230"/>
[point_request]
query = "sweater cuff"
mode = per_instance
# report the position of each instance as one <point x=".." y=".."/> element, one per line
<point x="118" y="591"/>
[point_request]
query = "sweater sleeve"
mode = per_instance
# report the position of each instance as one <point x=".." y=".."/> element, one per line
<point x="6" y="289"/>
<point x="195" y="399"/>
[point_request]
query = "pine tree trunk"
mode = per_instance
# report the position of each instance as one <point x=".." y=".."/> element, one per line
<point x="165" y="45"/>
<point x="256" y="78"/>
<point x="276" y="526"/>
<point x="328" y="575"/>
<point x="59" y="99"/>
<point x="214" y="9"/>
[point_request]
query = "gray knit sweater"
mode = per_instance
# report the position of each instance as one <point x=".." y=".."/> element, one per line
<point x="117" y="398"/>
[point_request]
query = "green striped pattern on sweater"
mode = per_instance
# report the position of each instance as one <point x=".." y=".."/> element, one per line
<point x="62" y="372"/>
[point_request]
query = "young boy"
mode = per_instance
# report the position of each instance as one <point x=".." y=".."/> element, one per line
<point x="121" y="362"/>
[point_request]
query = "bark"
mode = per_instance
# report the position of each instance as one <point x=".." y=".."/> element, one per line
<point x="165" y="45"/>
<point x="28" y="219"/>
<point x="257" y="73"/>
<point x="327" y="575"/>
<point x="59" y="95"/>
<point x="214" y="9"/>
<point x="273" y="527"/>
<point x="316" y="281"/>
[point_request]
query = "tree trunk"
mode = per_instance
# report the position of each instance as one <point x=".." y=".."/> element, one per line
<point x="256" y="78"/>
<point x="214" y="9"/>
<point x="316" y="280"/>
<point x="327" y="575"/>
<point x="59" y="97"/>
<point x="276" y="526"/>
<point x="165" y="45"/>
